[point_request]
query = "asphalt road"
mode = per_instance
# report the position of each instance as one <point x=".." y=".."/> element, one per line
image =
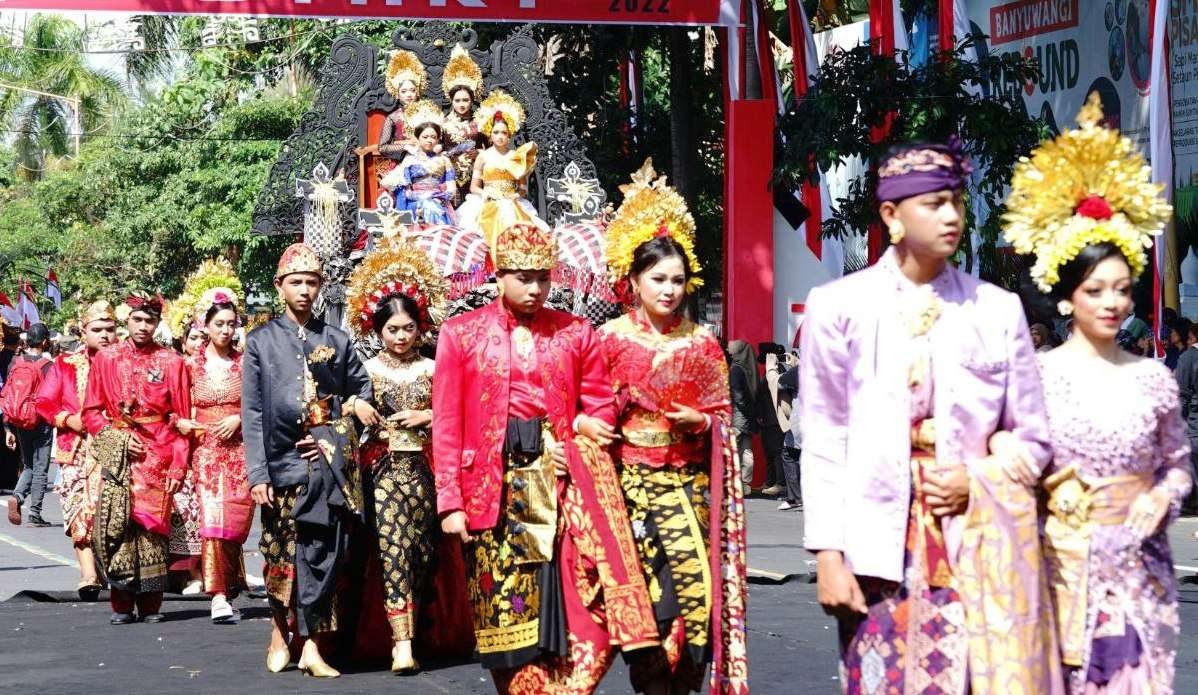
<point x="68" y="647"/>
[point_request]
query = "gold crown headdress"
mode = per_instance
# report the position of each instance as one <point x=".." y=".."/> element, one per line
<point x="404" y="66"/>
<point x="524" y="246"/>
<point x="650" y="209"/>
<point x="100" y="310"/>
<point x="1087" y="186"/>
<point x="499" y="105"/>
<point x="396" y="266"/>
<point x="213" y="282"/>
<point x="461" y="71"/>
<point x="419" y="113"/>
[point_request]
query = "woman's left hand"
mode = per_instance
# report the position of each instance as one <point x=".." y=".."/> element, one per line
<point x="227" y="428"/>
<point x="1147" y="513"/>
<point x="415" y="419"/>
<point x="366" y="413"/>
<point x="686" y="418"/>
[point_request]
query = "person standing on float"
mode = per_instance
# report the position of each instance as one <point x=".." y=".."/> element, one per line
<point x="925" y="544"/>
<point x="302" y="383"/>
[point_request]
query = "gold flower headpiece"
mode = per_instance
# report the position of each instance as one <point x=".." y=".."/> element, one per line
<point x="214" y="281"/>
<point x="404" y="66"/>
<point x="461" y="71"/>
<point x="499" y="105"/>
<point x="1087" y="186"/>
<point x="420" y="113"/>
<point x="395" y="266"/>
<point x="650" y="209"/>
<point x="524" y="246"/>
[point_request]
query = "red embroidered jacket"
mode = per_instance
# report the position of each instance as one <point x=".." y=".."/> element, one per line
<point x="61" y="395"/>
<point x="470" y="400"/>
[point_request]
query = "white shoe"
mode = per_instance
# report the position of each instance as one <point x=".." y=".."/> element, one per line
<point x="785" y="506"/>
<point x="193" y="587"/>
<point x="222" y="612"/>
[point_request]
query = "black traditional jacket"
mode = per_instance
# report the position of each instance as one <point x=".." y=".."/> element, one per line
<point x="272" y="392"/>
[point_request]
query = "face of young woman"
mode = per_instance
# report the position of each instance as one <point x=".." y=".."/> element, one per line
<point x="1103" y="300"/>
<point x="933" y="223"/>
<point x="399" y="333"/>
<point x="462" y="103"/>
<point x="194" y="339"/>
<point x="499" y="135"/>
<point x="221" y="328"/>
<point x="407" y="92"/>
<point x="428" y="140"/>
<point x="662" y="287"/>
<point x="524" y="291"/>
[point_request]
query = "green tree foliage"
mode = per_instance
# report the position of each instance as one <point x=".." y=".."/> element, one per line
<point x="857" y="93"/>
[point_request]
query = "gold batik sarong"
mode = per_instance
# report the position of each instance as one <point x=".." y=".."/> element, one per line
<point x="130" y="557"/>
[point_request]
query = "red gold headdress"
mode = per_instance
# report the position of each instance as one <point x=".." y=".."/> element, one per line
<point x="419" y="113"/>
<point x="524" y="246"/>
<point x="405" y="67"/>
<point x="461" y="71"/>
<point x="1087" y="186"/>
<point x="299" y="258"/>
<point x="396" y="266"/>
<point x="141" y="300"/>
<point x="650" y="209"/>
<point x="499" y="106"/>
<point x="97" y="311"/>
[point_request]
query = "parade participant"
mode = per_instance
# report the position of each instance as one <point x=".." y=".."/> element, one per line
<point x="553" y="576"/>
<point x="500" y="178"/>
<point x="301" y="381"/>
<point x="25" y="430"/>
<point x="424" y="182"/>
<point x="405" y="80"/>
<point x="218" y="458"/>
<point x="397" y="295"/>
<point x="136" y="390"/>
<point x="461" y="82"/>
<point x="675" y="449"/>
<point x="929" y="567"/>
<point x="1084" y="205"/>
<point x="60" y="402"/>
<point x="192" y="339"/>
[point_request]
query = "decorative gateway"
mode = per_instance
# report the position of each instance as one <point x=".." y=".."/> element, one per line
<point x="358" y="95"/>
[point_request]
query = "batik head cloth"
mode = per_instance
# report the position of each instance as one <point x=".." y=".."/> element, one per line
<point x="145" y="302"/>
<point x="299" y="258"/>
<point x="524" y="246"/>
<point x="919" y="169"/>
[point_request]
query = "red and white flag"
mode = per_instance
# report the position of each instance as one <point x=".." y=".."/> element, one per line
<point x="27" y="307"/>
<point x="1160" y="143"/>
<point x="8" y="311"/>
<point x="53" y="291"/>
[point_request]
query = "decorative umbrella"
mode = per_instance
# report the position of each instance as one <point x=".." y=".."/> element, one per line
<point x="582" y="256"/>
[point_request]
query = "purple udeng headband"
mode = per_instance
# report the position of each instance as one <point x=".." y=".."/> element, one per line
<point x="923" y="170"/>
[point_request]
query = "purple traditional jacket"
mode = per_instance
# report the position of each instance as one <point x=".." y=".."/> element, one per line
<point x="856" y="400"/>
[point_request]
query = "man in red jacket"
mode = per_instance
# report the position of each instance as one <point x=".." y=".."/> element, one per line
<point x="553" y="578"/>
<point x="60" y="403"/>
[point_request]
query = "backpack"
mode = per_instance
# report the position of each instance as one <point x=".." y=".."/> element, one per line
<point x="18" y="399"/>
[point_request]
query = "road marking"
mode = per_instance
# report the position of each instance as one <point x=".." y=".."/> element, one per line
<point x="1185" y="568"/>
<point x="44" y="554"/>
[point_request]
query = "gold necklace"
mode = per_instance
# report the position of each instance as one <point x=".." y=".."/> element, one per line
<point x="399" y="362"/>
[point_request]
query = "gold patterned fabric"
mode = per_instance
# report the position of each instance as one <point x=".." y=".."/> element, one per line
<point x="277" y="545"/>
<point x="670" y="513"/>
<point x="130" y="557"/>
<point x="406" y="523"/>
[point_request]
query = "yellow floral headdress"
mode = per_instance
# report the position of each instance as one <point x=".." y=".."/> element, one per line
<point x="461" y="71"/>
<point x="499" y="105"/>
<point x="650" y="209"/>
<point x="419" y="113"/>
<point x="395" y="266"/>
<point x="1087" y="186"/>
<point x="214" y="281"/>
<point x="403" y="67"/>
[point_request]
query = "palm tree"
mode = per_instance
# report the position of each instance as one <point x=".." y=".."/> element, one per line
<point x="51" y="61"/>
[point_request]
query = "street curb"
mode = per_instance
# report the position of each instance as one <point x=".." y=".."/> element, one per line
<point x="766" y="577"/>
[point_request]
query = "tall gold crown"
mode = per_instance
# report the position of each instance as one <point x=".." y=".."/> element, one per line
<point x="420" y="113"/>
<point x="524" y="246"/>
<point x="461" y="71"/>
<point x="1087" y="186"/>
<point x="395" y="266"/>
<point x="650" y="209"/>
<point x="99" y="310"/>
<point x="214" y="279"/>
<point x="404" y="66"/>
<point x="499" y="105"/>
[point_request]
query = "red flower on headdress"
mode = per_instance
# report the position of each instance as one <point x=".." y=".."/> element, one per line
<point x="1096" y="208"/>
<point x="663" y="230"/>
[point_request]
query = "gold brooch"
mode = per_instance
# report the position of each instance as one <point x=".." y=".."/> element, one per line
<point x="321" y="353"/>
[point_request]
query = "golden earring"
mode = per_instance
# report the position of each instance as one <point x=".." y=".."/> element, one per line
<point x="499" y="288"/>
<point x="897" y="231"/>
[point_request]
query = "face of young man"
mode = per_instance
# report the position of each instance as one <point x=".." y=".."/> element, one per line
<point x="524" y="291"/>
<point x="99" y="334"/>
<point x="299" y="291"/>
<point x="933" y="223"/>
<point x="141" y="327"/>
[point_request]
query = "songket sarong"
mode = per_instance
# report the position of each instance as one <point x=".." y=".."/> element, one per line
<point x="185" y="544"/>
<point x="80" y="493"/>
<point x="670" y="513"/>
<point x="225" y="507"/>
<point x="277" y="544"/>
<point x="130" y="557"/>
<point x="405" y="520"/>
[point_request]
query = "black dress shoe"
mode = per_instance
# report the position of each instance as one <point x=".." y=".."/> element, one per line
<point x="121" y="619"/>
<point x="152" y="618"/>
<point x="38" y="522"/>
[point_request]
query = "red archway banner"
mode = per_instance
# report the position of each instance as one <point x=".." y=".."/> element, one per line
<point x="574" y="11"/>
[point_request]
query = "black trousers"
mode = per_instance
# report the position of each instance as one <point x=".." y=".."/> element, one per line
<point x="790" y="469"/>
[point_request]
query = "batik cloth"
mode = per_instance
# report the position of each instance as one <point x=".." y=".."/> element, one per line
<point x="278" y="544"/>
<point x="185" y="545"/>
<point x="405" y="519"/>
<point x="128" y="556"/>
